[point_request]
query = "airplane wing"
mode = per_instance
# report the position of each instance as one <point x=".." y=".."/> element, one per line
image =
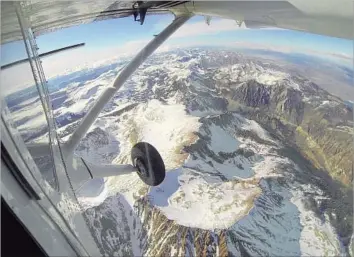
<point x="325" y="17"/>
<point x="48" y="16"/>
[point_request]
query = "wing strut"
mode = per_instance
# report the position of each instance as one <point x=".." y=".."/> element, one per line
<point x="90" y="117"/>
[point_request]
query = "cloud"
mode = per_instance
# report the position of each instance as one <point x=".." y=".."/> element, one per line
<point x="342" y="56"/>
<point x="339" y="58"/>
<point x="193" y="29"/>
<point x="131" y="47"/>
<point x="188" y="35"/>
<point x="201" y="28"/>
<point x="16" y="78"/>
<point x="65" y="62"/>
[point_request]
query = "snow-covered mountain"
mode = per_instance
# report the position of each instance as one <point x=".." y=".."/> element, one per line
<point x="259" y="160"/>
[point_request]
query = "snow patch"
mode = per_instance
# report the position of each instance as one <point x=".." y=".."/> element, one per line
<point x="190" y="200"/>
<point x="251" y="125"/>
<point x="167" y="127"/>
<point x="317" y="238"/>
<point x="92" y="193"/>
<point x="328" y="103"/>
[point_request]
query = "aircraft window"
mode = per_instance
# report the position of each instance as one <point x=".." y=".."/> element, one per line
<point x="25" y="110"/>
<point x="254" y="127"/>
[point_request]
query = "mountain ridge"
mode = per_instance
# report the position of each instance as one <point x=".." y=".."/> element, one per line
<point x="259" y="160"/>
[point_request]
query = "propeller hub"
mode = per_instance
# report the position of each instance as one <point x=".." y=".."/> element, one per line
<point x="140" y="165"/>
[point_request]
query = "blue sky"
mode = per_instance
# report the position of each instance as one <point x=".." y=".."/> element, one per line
<point x="112" y="38"/>
<point x="95" y="35"/>
<point x="113" y="33"/>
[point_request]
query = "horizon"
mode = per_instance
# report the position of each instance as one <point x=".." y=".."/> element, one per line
<point x="114" y="38"/>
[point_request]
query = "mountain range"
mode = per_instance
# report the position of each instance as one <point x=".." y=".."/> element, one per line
<point x="259" y="157"/>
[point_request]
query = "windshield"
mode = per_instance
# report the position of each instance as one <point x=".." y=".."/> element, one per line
<point x="255" y="128"/>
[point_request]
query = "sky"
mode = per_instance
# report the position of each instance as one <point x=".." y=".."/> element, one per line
<point x="112" y="38"/>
